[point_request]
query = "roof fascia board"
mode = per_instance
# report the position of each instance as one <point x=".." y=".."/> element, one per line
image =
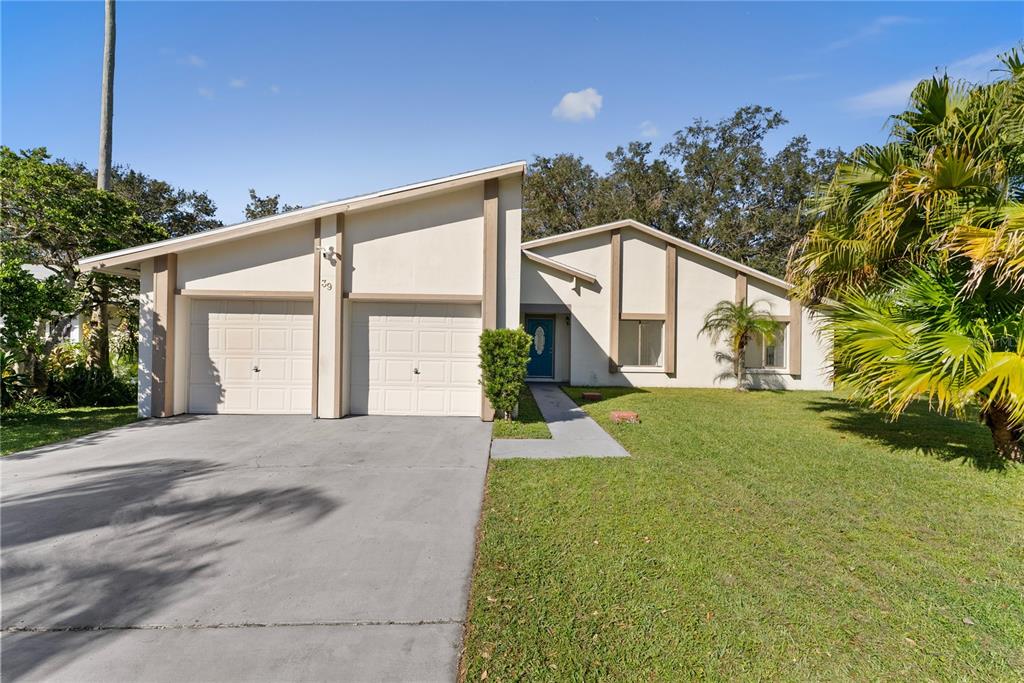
<point x="261" y="225"/>
<point x="561" y="267"/>
<point x="665" y="237"/>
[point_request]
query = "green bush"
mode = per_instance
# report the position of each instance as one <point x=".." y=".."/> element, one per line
<point x="73" y="383"/>
<point x="503" y="358"/>
<point x="13" y="384"/>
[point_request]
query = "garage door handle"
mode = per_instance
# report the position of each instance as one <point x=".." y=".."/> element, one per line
<point x="256" y="369"/>
<point x="415" y="371"/>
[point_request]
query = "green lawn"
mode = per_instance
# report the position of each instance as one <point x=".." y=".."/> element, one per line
<point x="754" y="536"/>
<point x="19" y="431"/>
<point x="529" y="425"/>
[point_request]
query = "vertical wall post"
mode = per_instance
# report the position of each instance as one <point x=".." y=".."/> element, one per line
<point x="316" y="319"/>
<point x="339" y="311"/>
<point x="741" y="287"/>
<point x="670" y="309"/>
<point x="489" y="304"/>
<point x="165" y="281"/>
<point x="616" y="300"/>
<point x="796" y="325"/>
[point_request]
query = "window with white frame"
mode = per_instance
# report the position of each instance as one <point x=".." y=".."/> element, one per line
<point x="641" y="343"/>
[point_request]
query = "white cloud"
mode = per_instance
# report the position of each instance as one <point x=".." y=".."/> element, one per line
<point x="579" y="105"/>
<point x="275" y="89"/>
<point x="648" y="129"/>
<point x="894" y="96"/>
<point x="875" y="28"/>
<point x="208" y="93"/>
<point x="237" y="83"/>
<point x="193" y="60"/>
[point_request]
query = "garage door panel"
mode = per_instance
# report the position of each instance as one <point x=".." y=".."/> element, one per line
<point x="229" y="338"/>
<point x="433" y="372"/>
<point x="464" y="373"/>
<point x="431" y="401"/>
<point x="239" y="339"/>
<point x="389" y="342"/>
<point x="465" y="343"/>
<point x="301" y="369"/>
<point x="398" y="401"/>
<point x="273" y="339"/>
<point x="464" y="402"/>
<point x="398" y="372"/>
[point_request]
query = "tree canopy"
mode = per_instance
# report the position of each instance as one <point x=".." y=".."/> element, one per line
<point x="919" y="245"/>
<point x="713" y="184"/>
<point x="261" y="207"/>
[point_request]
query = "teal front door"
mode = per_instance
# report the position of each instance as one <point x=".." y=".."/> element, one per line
<point x="542" y="350"/>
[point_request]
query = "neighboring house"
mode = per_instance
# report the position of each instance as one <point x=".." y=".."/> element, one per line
<point x="74" y="331"/>
<point x="374" y="305"/>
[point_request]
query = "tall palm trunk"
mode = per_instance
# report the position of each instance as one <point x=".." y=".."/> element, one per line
<point x="99" y="351"/>
<point x="1007" y="438"/>
<point x="107" y="99"/>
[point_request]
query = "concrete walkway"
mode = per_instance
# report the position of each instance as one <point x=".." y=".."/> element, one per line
<point x="573" y="433"/>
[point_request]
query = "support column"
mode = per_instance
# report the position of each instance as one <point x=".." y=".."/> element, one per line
<point x="165" y="280"/>
<point x="741" y="287"/>
<point x="670" y="309"/>
<point x="615" y="294"/>
<point x="489" y="303"/>
<point x="339" y="311"/>
<point x="315" y="410"/>
<point x="796" y="326"/>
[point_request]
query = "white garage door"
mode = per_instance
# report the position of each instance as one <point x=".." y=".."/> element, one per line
<point x="415" y="359"/>
<point x="250" y="356"/>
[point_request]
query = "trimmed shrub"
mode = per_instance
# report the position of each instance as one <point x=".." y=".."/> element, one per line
<point x="503" y="358"/>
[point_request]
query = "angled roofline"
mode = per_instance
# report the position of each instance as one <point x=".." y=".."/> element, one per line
<point x="561" y="267"/>
<point x="665" y="237"/>
<point x="114" y="260"/>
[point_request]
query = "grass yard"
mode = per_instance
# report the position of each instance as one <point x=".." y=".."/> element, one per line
<point x="754" y="536"/>
<point x="529" y="424"/>
<point x="19" y="430"/>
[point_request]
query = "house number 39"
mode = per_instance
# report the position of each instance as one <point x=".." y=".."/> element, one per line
<point x="326" y="284"/>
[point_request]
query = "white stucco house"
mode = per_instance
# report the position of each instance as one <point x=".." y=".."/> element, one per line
<point x="374" y="305"/>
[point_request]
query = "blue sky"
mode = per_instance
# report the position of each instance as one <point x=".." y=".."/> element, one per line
<point x="317" y="101"/>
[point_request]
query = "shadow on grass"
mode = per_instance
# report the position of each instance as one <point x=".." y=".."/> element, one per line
<point x="918" y="429"/>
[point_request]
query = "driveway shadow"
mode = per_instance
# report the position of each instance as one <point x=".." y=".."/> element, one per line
<point x="100" y="548"/>
<point x="918" y="429"/>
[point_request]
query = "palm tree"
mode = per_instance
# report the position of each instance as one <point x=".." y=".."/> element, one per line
<point x="918" y="337"/>
<point x="100" y="343"/>
<point x="920" y="242"/>
<point x="738" y="323"/>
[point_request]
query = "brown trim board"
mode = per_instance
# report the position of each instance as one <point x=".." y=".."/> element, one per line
<point x="670" y="309"/>
<point x="796" y="319"/>
<point x="242" y="294"/>
<point x="615" y="304"/>
<point x="489" y="304"/>
<point x="316" y="320"/>
<point x="339" y="311"/>
<point x="165" y="275"/>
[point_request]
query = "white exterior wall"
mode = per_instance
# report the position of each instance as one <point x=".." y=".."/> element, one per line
<point x="280" y="260"/>
<point x="147" y="310"/>
<point x="643" y="273"/>
<point x="428" y="246"/>
<point x="701" y="283"/>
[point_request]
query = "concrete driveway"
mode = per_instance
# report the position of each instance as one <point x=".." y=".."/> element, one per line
<point x="237" y="548"/>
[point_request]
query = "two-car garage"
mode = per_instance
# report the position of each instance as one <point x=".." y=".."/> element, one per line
<point x="372" y="304"/>
<point x="255" y="356"/>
